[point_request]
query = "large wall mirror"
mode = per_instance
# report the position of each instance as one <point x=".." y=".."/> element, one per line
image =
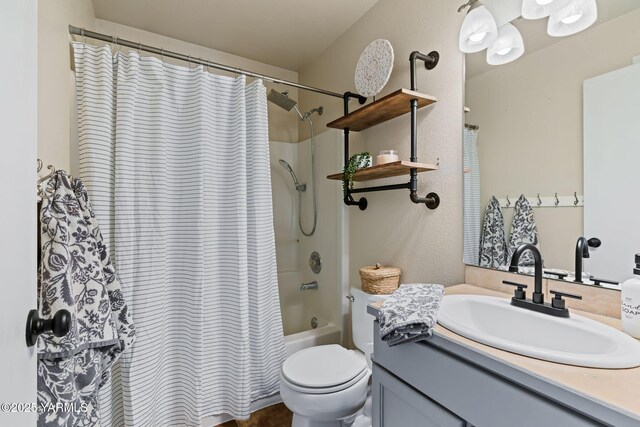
<point x="559" y="125"/>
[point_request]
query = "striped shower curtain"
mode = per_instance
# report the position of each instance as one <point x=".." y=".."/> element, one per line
<point x="471" y="197"/>
<point x="176" y="161"/>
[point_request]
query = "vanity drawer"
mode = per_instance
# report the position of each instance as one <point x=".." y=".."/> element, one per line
<point x="471" y="392"/>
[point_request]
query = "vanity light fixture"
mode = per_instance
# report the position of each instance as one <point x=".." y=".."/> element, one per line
<point x="573" y="17"/>
<point x="479" y="29"/>
<point x="508" y="46"/>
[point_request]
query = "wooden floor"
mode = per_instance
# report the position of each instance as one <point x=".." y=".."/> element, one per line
<point x="271" y="416"/>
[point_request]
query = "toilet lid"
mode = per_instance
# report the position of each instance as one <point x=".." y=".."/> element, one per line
<point x="323" y="366"/>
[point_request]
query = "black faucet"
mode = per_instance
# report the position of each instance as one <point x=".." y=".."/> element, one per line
<point x="582" y="251"/>
<point x="538" y="296"/>
<point x="536" y="303"/>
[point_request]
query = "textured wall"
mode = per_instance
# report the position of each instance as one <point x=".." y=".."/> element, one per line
<point x="426" y="244"/>
<point x="57" y="133"/>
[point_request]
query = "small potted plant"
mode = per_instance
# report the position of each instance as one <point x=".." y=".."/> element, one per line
<point x="357" y="161"/>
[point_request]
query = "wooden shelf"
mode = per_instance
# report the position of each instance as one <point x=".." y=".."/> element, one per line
<point x="386" y="170"/>
<point x="386" y="108"/>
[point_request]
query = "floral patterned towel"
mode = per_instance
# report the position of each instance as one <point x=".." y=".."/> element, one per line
<point x="523" y="230"/>
<point x="493" y="243"/>
<point x="410" y="313"/>
<point x="77" y="275"/>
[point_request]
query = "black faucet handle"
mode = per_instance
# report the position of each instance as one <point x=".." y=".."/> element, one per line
<point x="558" y="302"/>
<point x="518" y="293"/>
<point x="558" y="274"/>
<point x="598" y="282"/>
<point x="594" y="242"/>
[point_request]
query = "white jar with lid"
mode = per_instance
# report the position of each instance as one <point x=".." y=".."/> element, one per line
<point x="386" y="156"/>
<point x="630" y="306"/>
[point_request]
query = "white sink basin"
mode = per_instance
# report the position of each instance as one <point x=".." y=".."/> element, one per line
<point x="574" y="341"/>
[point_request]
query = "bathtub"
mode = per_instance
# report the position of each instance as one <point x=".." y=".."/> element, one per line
<point x="323" y="334"/>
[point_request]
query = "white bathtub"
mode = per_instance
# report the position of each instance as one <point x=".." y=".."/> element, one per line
<point x="327" y="334"/>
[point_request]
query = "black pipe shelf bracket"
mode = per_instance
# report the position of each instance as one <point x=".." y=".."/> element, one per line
<point x="384" y="109"/>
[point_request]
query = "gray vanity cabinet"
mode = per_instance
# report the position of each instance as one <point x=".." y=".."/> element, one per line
<point x="441" y="382"/>
<point x="397" y="404"/>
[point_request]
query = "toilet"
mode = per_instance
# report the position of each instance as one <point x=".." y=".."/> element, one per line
<point x="328" y="385"/>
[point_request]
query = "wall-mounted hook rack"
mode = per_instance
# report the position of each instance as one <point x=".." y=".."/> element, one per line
<point x="554" y="201"/>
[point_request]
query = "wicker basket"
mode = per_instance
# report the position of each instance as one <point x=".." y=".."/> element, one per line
<point x="379" y="280"/>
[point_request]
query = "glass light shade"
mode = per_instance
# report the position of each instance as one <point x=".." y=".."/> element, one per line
<point x="478" y="31"/>
<point x="573" y="17"/>
<point x="536" y="9"/>
<point x="507" y="47"/>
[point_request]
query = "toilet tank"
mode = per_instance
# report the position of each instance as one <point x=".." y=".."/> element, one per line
<point x="361" y="321"/>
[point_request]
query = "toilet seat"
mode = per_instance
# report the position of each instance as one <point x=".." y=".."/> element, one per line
<point x="323" y="369"/>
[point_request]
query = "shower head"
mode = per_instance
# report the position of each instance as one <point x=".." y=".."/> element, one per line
<point x="287" y="166"/>
<point x="282" y="100"/>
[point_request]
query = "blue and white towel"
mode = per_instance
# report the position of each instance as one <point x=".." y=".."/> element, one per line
<point x="77" y="275"/>
<point x="523" y="230"/>
<point x="410" y="313"/>
<point x="493" y="243"/>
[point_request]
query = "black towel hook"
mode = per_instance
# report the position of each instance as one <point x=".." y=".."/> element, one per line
<point x="59" y="325"/>
<point x="508" y="201"/>
<point x="539" y="200"/>
<point x="576" y="201"/>
<point x="557" y="202"/>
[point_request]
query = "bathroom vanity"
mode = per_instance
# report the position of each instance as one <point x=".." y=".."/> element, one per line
<point x="449" y="380"/>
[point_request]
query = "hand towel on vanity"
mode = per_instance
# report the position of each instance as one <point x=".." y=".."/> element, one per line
<point x="493" y="243"/>
<point x="410" y="313"/>
<point x="523" y="230"/>
<point x="77" y="275"/>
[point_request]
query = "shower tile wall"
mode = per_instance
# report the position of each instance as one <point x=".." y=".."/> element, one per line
<point x="293" y="248"/>
<point x="285" y="217"/>
<point x="327" y="302"/>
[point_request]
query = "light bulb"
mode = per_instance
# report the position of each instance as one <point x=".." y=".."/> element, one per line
<point x="478" y="29"/>
<point x="507" y="47"/>
<point x="543" y="2"/>
<point x="572" y="18"/>
<point x="478" y="37"/>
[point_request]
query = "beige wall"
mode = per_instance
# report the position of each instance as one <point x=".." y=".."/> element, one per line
<point x="56" y="123"/>
<point x="57" y="140"/>
<point x="425" y="244"/>
<point x="530" y="118"/>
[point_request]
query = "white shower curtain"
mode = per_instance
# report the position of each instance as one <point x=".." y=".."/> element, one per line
<point x="471" y="197"/>
<point x="177" y="163"/>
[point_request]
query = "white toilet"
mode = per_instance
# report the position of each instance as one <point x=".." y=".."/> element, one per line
<point x="327" y="385"/>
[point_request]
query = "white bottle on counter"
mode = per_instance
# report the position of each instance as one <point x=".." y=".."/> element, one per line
<point x="630" y="315"/>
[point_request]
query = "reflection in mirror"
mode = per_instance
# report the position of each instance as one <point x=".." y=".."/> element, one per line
<point x="549" y="148"/>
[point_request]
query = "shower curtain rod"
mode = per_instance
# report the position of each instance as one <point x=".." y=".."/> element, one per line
<point x="158" y="51"/>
